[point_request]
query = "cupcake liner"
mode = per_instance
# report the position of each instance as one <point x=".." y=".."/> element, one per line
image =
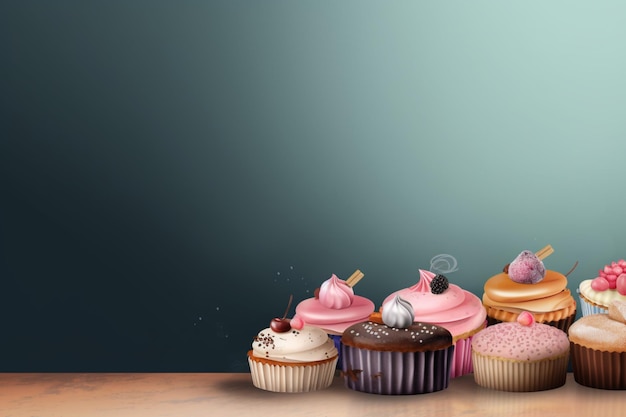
<point x="396" y="373"/>
<point x="520" y="376"/>
<point x="337" y="341"/>
<point x="291" y="377"/>
<point x="598" y="369"/>
<point x="588" y="308"/>
<point x="461" y="363"/>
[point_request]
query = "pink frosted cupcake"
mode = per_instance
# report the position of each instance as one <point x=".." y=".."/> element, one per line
<point x="462" y="313"/>
<point x="520" y="356"/>
<point x="335" y="307"/>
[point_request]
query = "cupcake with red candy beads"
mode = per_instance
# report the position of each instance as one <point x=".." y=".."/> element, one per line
<point x="596" y="294"/>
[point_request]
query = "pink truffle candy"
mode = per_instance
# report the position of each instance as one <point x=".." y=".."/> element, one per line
<point x="527" y="268"/>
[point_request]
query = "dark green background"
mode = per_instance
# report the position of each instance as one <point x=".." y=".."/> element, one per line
<point x="170" y="171"/>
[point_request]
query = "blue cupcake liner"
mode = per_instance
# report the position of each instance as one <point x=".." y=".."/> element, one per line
<point x="588" y="309"/>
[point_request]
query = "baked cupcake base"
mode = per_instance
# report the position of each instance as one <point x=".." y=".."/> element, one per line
<point x="598" y="369"/>
<point x="276" y="376"/>
<point x="520" y="376"/>
<point x="396" y="373"/>
<point x="556" y="319"/>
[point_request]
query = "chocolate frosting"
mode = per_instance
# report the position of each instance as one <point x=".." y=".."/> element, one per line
<point x="418" y="337"/>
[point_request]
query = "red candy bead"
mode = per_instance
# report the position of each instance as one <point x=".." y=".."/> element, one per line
<point x="600" y="284"/>
<point x="621" y="284"/>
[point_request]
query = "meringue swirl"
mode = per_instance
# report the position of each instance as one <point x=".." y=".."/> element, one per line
<point x="335" y="293"/>
<point x="397" y="313"/>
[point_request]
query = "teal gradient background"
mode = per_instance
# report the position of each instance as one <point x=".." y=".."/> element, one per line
<point x="171" y="172"/>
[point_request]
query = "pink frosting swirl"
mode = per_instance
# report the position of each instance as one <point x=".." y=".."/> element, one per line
<point x="335" y="293"/>
<point x="458" y="310"/>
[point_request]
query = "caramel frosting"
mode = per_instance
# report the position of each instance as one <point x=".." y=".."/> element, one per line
<point x="548" y="295"/>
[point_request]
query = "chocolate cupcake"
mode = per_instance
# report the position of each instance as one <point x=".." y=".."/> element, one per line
<point x="397" y="356"/>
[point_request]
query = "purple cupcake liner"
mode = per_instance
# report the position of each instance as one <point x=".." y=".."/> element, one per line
<point x="396" y="373"/>
<point x="337" y="341"/>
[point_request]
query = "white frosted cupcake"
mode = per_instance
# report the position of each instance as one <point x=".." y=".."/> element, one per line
<point x="595" y="295"/>
<point x="290" y="356"/>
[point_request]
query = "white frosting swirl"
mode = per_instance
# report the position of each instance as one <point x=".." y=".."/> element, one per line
<point x="398" y="313"/>
<point x="335" y="293"/>
<point x="308" y="344"/>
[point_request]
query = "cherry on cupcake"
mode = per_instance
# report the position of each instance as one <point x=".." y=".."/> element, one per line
<point x="282" y="324"/>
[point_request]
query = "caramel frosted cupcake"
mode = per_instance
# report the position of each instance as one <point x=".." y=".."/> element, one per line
<point x="520" y="356"/>
<point x="598" y="345"/>
<point x="398" y="356"/>
<point x="291" y="356"/>
<point x="525" y="285"/>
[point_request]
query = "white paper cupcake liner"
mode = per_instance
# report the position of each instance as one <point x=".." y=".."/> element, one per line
<point x="396" y="373"/>
<point x="292" y="377"/>
<point x="520" y="376"/>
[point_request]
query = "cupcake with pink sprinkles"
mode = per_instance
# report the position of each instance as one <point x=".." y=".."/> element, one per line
<point x="609" y="285"/>
<point x="520" y="356"/>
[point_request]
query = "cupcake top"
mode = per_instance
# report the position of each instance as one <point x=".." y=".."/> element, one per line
<point x="521" y="340"/>
<point x="335" y="307"/>
<point x="398" y="333"/>
<point x="525" y="285"/>
<point x="436" y="301"/>
<point x="605" y="332"/>
<point x="609" y="285"/>
<point x="307" y="344"/>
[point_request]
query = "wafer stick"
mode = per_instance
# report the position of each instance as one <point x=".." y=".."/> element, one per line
<point x="545" y="252"/>
<point x="355" y="278"/>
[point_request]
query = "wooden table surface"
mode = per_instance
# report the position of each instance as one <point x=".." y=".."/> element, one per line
<point x="222" y="394"/>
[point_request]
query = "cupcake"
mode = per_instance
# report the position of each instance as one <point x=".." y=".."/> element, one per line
<point x="335" y="307"/>
<point x="520" y="356"/>
<point x="436" y="301"/>
<point x="397" y="356"/>
<point x="526" y="285"/>
<point x="597" y="294"/>
<point x="291" y="356"/>
<point x="598" y="345"/>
